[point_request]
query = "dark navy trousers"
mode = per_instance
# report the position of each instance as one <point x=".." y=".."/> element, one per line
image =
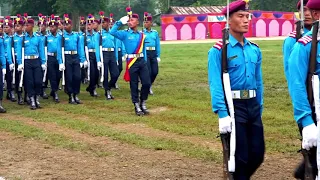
<point x="33" y="76"/>
<point x="72" y="74"/>
<point x="110" y="64"/>
<point x="139" y="70"/>
<point x="152" y="65"/>
<point x="1" y="83"/>
<point x="53" y="73"/>
<point x="120" y="62"/>
<point x="250" y="145"/>
<point x="18" y="77"/>
<point x="94" y="72"/>
<point x="9" y="78"/>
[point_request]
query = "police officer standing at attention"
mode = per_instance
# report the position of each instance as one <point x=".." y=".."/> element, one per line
<point x="110" y="58"/>
<point x="153" y="48"/>
<point x="8" y="25"/>
<point x="82" y="35"/>
<point x="121" y="54"/>
<point x="136" y="67"/>
<point x="74" y="59"/>
<point x="34" y="64"/>
<point x="42" y="32"/>
<point x="55" y="64"/>
<point x="18" y="38"/>
<point x="244" y="68"/>
<point x="3" y="69"/>
<point x="93" y="39"/>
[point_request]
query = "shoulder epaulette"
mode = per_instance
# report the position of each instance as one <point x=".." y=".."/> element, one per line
<point x="218" y="45"/>
<point x="293" y="34"/>
<point x="305" y="40"/>
<point x="254" y="43"/>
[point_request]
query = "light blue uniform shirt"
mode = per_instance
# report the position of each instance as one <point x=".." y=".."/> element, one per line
<point x="244" y="68"/>
<point x="152" y="40"/>
<point x="93" y="42"/>
<point x="109" y="41"/>
<point x="54" y="45"/>
<point x="34" y="46"/>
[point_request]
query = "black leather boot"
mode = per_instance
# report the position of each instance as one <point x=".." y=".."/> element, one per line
<point x="138" y="110"/>
<point x="76" y="99"/>
<point x="144" y="108"/>
<point x="32" y="103"/>
<point x="37" y="102"/>
<point x="71" y="99"/>
<point x="109" y="95"/>
<point x="20" y="99"/>
<point x="2" y="110"/>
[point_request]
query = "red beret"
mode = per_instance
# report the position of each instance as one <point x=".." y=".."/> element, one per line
<point x="105" y="19"/>
<point x="82" y="21"/>
<point x="135" y="16"/>
<point x="304" y="3"/>
<point x="1" y="23"/>
<point x="313" y="4"/>
<point x="8" y="22"/>
<point x="53" y="23"/>
<point x="69" y="21"/>
<point x="236" y="6"/>
<point x="30" y="21"/>
<point x="44" y="22"/>
<point x="19" y="20"/>
<point x="97" y="21"/>
<point x="149" y="18"/>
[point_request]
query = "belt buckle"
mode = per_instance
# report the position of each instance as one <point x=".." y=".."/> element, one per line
<point x="32" y="57"/>
<point x="108" y="49"/>
<point x="138" y="55"/>
<point x="73" y="52"/>
<point x="244" y="94"/>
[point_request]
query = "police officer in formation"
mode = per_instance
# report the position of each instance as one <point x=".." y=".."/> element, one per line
<point x="8" y="40"/>
<point x="153" y="49"/>
<point x="110" y="58"/>
<point x="244" y="67"/>
<point x="3" y="67"/>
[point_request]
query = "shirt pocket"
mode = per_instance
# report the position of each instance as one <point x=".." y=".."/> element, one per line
<point x="253" y="62"/>
<point x="234" y="62"/>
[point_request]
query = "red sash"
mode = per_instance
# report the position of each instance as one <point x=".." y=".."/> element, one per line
<point x="131" y="61"/>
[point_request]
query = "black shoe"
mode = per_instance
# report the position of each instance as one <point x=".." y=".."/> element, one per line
<point x="12" y="96"/>
<point x="32" y="103"/>
<point x="44" y="95"/>
<point x="37" y="102"/>
<point x="138" y="110"/>
<point x="150" y="91"/>
<point x="2" y="110"/>
<point x="20" y="99"/>
<point x="76" y="99"/>
<point x="71" y="100"/>
<point x="56" y="97"/>
<point x="108" y="95"/>
<point x="94" y="93"/>
<point x="144" y="108"/>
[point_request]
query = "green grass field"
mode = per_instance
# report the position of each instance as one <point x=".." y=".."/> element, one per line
<point x="181" y="117"/>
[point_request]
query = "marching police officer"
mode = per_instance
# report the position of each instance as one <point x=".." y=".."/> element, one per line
<point x="18" y="38"/>
<point x="3" y="67"/>
<point x="292" y="38"/>
<point x="42" y="32"/>
<point x="8" y="55"/>
<point x="82" y="35"/>
<point x="136" y="67"/>
<point x="153" y="49"/>
<point x="74" y="59"/>
<point x="298" y="69"/>
<point x="244" y="68"/>
<point x="34" y="64"/>
<point x="110" y="58"/>
<point x="94" y="64"/>
<point x="121" y="54"/>
<point x="54" y="63"/>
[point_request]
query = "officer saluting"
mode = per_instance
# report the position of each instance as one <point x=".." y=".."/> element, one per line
<point x="3" y="68"/>
<point x="74" y="58"/>
<point x="134" y="42"/>
<point x="18" y="38"/>
<point x="152" y="47"/>
<point x="55" y="64"/>
<point x="34" y="64"/>
<point x="244" y="67"/>
<point x="110" y="58"/>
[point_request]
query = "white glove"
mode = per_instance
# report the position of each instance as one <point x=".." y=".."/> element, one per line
<point x="99" y="65"/>
<point x="20" y="67"/>
<point x="225" y="125"/>
<point x="124" y="19"/>
<point x="158" y="59"/>
<point x="4" y="72"/>
<point x="43" y="66"/>
<point x="309" y="136"/>
<point x="61" y="67"/>
<point x="85" y="64"/>
<point x="11" y="67"/>
<point x="81" y="65"/>
<point x="124" y="57"/>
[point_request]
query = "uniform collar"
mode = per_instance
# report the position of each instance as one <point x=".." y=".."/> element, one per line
<point x="146" y="30"/>
<point x="234" y="42"/>
<point x="68" y="33"/>
<point x="16" y="34"/>
<point x="131" y="31"/>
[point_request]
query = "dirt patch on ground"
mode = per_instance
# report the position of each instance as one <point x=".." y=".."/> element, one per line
<point x="30" y="159"/>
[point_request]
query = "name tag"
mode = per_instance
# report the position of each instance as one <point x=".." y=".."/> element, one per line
<point x="15" y="40"/>
<point x="232" y="57"/>
<point x="50" y="40"/>
<point x="27" y="41"/>
<point x="66" y="39"/>
<point x="104" y="37"/>
<point x="130" y="37"/>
